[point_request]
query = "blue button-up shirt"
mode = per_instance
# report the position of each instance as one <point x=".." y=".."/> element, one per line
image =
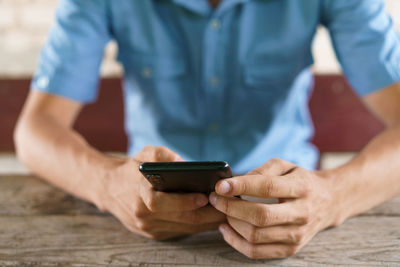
<point x="226" y="84"/>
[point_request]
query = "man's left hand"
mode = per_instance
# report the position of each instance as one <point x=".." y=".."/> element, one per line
<point x="306" y="206"/>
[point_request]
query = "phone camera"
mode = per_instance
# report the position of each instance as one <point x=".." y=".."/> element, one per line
<point x="155" y="180"/>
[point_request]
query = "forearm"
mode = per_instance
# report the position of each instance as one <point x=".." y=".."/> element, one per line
<point x="62" y="157"/>
<point x="371" y="178"/>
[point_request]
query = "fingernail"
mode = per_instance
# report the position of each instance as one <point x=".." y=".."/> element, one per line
<point x="179" y="158"/>
<point x="201" y="201"/>
<point x="224" y="187"/>
<point x="213" y="198"/>
<point x="222" y="228"/>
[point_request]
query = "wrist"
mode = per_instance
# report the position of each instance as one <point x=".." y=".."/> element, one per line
<point x="337" y="195"/>
<point x="110" y="167"/>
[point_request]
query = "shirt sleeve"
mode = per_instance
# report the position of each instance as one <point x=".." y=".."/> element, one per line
<point x="366" y="42"/>
<point x="70" y="60"/>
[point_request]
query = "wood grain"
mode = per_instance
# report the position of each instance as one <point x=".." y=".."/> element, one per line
<point x="25" y="195"/>
<point x="42" y="226"/>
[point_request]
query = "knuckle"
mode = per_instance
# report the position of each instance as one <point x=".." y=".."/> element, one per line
<point x="143" y="225"/>
<point x="160" y="153"/>
<point x="270" y="165"/>
<point x="224" y="204"/>
<point x="131" y="226"/>
<point x="305" y="186"/>
<point x="162" y="149"/>
<point x="156" y="236"/>
<point x="151" y="202"/>
<point x="140" y="213"/>
<point x="297" y="236"/>
<point x="269" y="188"/>
<point x="257" y="171"/>
<point x="277" y="164"/>
<point x="307" y="189"/>
<point x="251" y="252"/>
<point x="275" y="161"/>
<point x="291" y="250"/>
<point x="261" y="217"/>
<point x="305" y="217"/>
<point x="240" y="186"/>
<point x="304" y="220"/>
<point x="284" y="252"/>
<point x="148" y="148"/>
<point x="253" y="235"/>
<point x="193" y="218"/>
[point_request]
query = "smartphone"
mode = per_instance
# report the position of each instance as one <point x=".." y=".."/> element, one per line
<point x="185" y="176"/>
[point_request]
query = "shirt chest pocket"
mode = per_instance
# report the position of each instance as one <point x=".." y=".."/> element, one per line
<point x="157" y="71"/>
<point x="267" y="75"/>
<point x="166" y="85"/>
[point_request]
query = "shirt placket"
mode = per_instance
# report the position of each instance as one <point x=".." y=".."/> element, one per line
<point x="214" y="85"/>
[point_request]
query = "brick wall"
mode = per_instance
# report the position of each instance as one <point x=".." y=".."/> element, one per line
<point x="25" y="23"/>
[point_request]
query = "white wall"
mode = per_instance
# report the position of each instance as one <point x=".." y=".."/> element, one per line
<point x="325" y="60"/>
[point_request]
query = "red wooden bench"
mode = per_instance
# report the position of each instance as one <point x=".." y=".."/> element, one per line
<point x="342" y="123"/>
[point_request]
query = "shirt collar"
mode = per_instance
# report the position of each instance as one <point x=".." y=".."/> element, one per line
<point x="227" y="4"/>
<point x="202" y="7"/>
<point x="198" y="6"/>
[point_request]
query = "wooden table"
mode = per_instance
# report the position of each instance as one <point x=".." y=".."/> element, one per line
<point x="42" y="226"/>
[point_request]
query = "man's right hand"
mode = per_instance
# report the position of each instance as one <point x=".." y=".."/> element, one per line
<point x="157" y="215"/>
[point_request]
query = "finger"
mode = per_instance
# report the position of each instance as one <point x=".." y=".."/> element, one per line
<point x="289" y="186"/>
<point x="290" y="234"/>
<point x="256" y="251"/>
<point x="124" y="215"/>
<point x="258" y="214"/>
<point x="157" y="201"/>
<point x="157" y="154"/>
<point x="207" y="214"/>
<point x="152" y="228"/>
<point x="273" y="167"/>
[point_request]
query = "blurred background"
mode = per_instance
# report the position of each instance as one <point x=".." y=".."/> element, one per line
<point x="23" y="29"/>
<point x="24" y="25"/>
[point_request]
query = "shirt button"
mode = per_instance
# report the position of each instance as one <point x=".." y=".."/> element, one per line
<point x="147" y="72"/>
<point x="215" y="24"/>
<point x="43" y="82"/>
<point x="214" y="81"/>
<point x="213" y="127"/>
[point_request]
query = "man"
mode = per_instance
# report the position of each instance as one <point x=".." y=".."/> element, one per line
<point x="214" y="80"/>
